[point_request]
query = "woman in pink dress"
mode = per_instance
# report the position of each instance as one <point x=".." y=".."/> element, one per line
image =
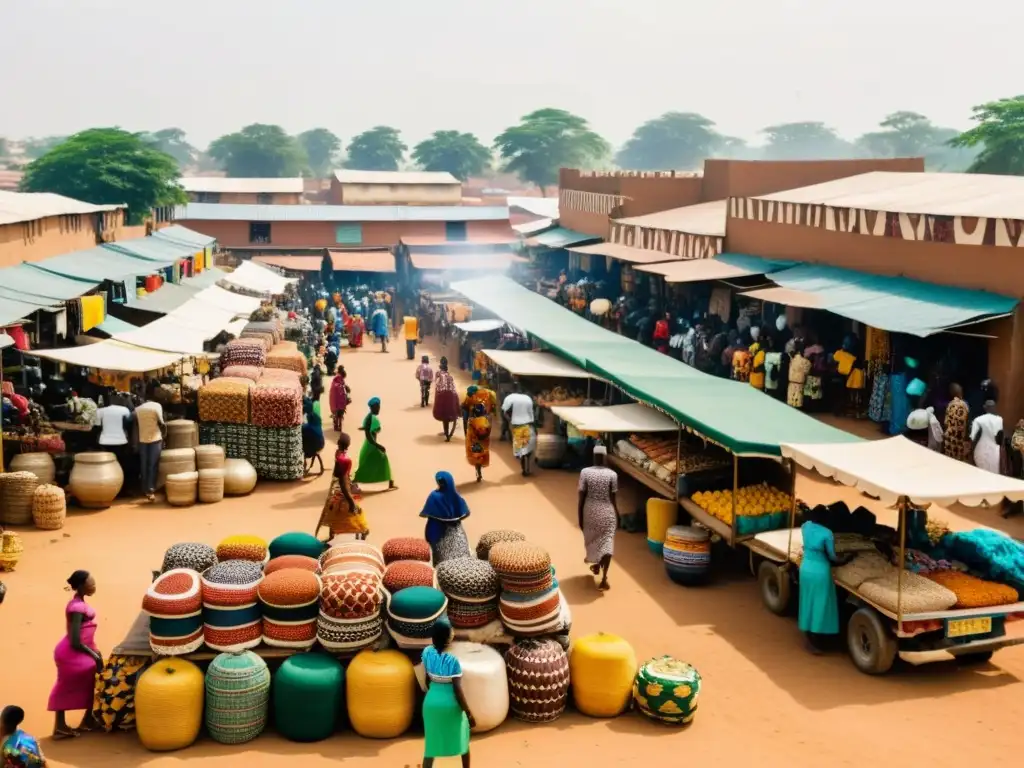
<point x="77" y="658"/>
<point x="339" y="397"/>
<point x="447" y="406"/>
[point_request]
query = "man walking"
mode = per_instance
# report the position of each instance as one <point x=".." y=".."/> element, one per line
<point x="518" y="409"/>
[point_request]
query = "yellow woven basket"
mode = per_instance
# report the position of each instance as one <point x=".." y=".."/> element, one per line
<point x="49" y="508"/>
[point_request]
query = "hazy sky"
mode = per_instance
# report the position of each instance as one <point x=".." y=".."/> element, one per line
<point x="211" y="66"/>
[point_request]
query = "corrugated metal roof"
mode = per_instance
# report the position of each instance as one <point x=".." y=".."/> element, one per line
<point x="539" y="206"/>
<point x="380" y="260"/>
<point x="624" y="253"/>
<point x="230" y="212"/>
<point x="559" y="237"/>
<point x="701" y="219"/>
<point x="296" y="263"/>
<point x="533" y="227"/>
<point x="152" y="249"/>
<point x="450" y="262"/>
<point x="15" y="306"/>
<point x="185" y="236"/>
<point x="938" y="194"/>
<point x="25" y="279"/>
<point x="242" y="186"/>
<point x="723" y="267"/>
<point x="470" y="242"/>
<point x="395" y="177"/>
<point x="100" y="264"/>
<point x="16" y="207"/>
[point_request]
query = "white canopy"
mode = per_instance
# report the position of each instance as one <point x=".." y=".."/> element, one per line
<point x="185" y="330"/>
<point x="615" y="418"/>
<point x="254" y="277"/>
<point x="898" y="467"/>
<point x="520" y="363"/>
<point x="480" y="326"/>
<point x="111" y="355"/>
<point x="5" y="341"/>
<point x="241" y="305"/>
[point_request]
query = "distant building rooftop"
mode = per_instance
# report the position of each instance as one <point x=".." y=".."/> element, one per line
<point x="16" y="207"/>
<point x="395" y="177"/>
<point x="223" y="184"/>
<point x="236" y="212"/>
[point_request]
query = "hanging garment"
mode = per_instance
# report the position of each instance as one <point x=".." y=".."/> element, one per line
<point x="93" y="311"/>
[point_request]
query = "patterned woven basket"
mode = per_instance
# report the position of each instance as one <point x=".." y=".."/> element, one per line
<point x="211" y="485"/>
<point x="16" y="497"/>
<point x="181" y="433"/>
<point x="49" y="508"/>
<point x="237" y="697"/>
<point x="181" y="489"/>
<point x="10" y="550"/>
<point x="174" y="461"/>
<point x="209" y="457"/>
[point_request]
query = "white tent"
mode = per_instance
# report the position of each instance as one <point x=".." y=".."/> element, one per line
<point x="897" y="467"/>
<point x="111" y="355"/>
<point x="615" y="418"/>
<point x="253" y="277"/>
<point x="523" y="363"/>
<point x="480" y="326"/>
<point x="218" y="297"/>
<point x="185" y="330"/>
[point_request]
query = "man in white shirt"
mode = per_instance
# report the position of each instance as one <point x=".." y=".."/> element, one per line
<point x="518" y="409"/>
<point x="113" y="421"/>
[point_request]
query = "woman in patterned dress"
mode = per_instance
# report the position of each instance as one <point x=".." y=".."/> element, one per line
<point x="479" y="408"/>
<point x="445" y="510"/>
<point x="341" y="512"/>
<point x="956" y="443"/>
<point x="799" y="367"/>
<point x="598" y="514"/>
<point x="446" y="400"/>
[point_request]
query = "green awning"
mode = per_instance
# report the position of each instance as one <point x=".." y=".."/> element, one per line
<point x="153" y="249"/>
<point x="896" y="304"/>
<point x="27" y="280"/>
<point x="14" y="308"/>
<point x="100" y="264"/>
<point x="560" y="237"/>
<point x="206" y="278"/>
<point x="180" y="235"/>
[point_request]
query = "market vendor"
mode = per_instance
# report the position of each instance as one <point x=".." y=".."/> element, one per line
<point x="819" y="606"/>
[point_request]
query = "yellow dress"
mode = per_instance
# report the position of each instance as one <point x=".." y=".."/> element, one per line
<point x="481" y="407"/>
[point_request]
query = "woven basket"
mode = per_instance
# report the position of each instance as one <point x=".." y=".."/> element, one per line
<point x="38" y="463"/>
<point x="16" y="494"/>
<point x="49" y="508"/>
<point x="209" y="457"/>
<point x="239" y="477"/>
<point x="175" y="461"/>
<point x="181" y="489"/>
<point x="10" y="550"/>
<point x="211" y="485"/>
<point x="182" y="433"/>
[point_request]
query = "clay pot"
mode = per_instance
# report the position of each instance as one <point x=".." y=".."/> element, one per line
<point x="96" y="479"/>
<point x="239" y="477"/>
<point x="38" y="463"/>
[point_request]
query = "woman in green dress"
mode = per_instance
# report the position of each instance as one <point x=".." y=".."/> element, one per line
<point x="446" y="716"/>
<point x="374" y="466"/>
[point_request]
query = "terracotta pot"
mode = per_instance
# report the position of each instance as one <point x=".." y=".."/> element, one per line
<point x="38" y="463"/>
<point x="96" y="479"/>
<point x="239" y="477"/>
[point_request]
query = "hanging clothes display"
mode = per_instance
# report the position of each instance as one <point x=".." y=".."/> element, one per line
<point x="93" y="311"/>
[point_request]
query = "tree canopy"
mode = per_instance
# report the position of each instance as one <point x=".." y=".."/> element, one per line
<point x="678" y="140"/>
<point x="172" y="142"/>
<point x="546" y="140"/>
<point x="460" y="154"/>
<point x="910" y="134"/>
<point x="107" y="166"/>
<point x="378" y="149"/>
<point x="999" y="134"/>
<point x="321" y="147"/>
<point x="804" y="141"/>
<point x="259" y="151"/>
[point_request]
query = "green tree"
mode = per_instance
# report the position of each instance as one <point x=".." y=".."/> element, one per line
<point x="460" y="154"/>
<point x="909" y="134"/>
<point x="39" y="146"/>
<point x="321" y="147"/>
<point x="546" y="140"/>
<point x="999" y="135"/>
<point x="259" y="151"/>
<point x="804" y="141"/>
<point x="676" y="140"/>
<point x="378" y="149"/>
<point x="172" y="142"/>
<point x="107" y="166"/>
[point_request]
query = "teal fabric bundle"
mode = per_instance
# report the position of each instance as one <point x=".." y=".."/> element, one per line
<point x="296" y="543"/>
<point x="237" y="697"/>
<point x="994" y="555"/>
<point x="308" y="696"/>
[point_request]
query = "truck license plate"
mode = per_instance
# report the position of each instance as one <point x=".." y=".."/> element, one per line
<point x="978" y="625"/>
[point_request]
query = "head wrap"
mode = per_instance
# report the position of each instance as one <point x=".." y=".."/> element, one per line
<point x="373" y="401"/>
<point x="472" y="390"/>
<point x="444" y="506"/>
<point x="916" y="388"/>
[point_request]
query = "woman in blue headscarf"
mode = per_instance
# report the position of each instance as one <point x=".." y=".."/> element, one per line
<point x="312" y="435"/>
<point x="374" y="466"/>
<point x="445" y="510"/>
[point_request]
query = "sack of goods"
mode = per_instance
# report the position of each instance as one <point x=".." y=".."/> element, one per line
<point x="281" y="377"/>
<point x="667" y="690"/>
<point x="350" y="612"/>
<point x="920" y="595"/>
<point x="250" y="372"/>
<point x="402" y="574"/>
<point x="412" y="613"/>
<point x="174" y="604"/>
<point x="232" y="620"/>
<point x="276" y="405"/>
<point x="225" y="400"/>
<point x="354" y="556"/>
<point x="489" y="539"/>
<point x="237" y="697"/>
<point x="242" y="547"/>
<point x="278" y="454"/>
<point x="406" y="548"/>
<point x="197" y="557"/>
<point x="244" y="352"/>
<point x="472" y="589"/>
<point x="288" y="359"/>
<point x="538" y="680"/>
<point x="290" y="603"/>
<point x="266" y="339"/>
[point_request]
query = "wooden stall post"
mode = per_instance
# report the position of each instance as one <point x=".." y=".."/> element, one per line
<point x="791" y="465"/>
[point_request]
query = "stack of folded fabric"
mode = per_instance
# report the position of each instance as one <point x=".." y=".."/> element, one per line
<point x="276" y="405"/>
<point x="225" y="401"/>
<point x="251" y="372"/>
<point x="350" y="611"/>
<point x="244" y="352"/>
<point x="530" y="603"/>
<point x="472" y="589"/>
<point x="288" y="357"/>
<point x="412" y="613"/>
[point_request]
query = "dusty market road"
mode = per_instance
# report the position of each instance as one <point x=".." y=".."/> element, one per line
<point x="764" y="702"/>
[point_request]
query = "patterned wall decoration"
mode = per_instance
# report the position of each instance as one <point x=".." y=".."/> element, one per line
<point x="588" y="202"/>
<point x="680" y="244"/>
<point x="958" y="230"/>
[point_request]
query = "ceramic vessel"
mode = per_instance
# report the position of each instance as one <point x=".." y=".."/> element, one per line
<point x="96" y="479"/>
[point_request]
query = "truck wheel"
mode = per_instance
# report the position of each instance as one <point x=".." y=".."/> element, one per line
<point x="776" y="588"/>
<point x="872" y="647"/>
<point x="974" y="658"/>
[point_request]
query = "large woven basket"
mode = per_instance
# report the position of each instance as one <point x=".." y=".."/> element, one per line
<point x="182" y="433"/>
<point x="38" y="463"/>
<point x="239" y="477"/>
<point x="16" y="497"/>
<point x="10" y="550"/>
<point x="211" y="485"/>
<point x="49" y="508"/>
<point x="174" y="461"/>
<point x="209" y="457"/>
<point x="181" y="489"/>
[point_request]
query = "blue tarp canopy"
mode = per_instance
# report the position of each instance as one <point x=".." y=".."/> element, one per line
<point x="100" y="264"/>
<point x="25" y="279"/>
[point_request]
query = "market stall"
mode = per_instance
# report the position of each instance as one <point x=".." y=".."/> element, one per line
<point x="920" y="591"/>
